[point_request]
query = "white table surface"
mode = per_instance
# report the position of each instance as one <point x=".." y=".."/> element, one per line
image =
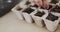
<point x="10" y="23"/>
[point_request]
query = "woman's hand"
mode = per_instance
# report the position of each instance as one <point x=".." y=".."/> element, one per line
<point x="43" y="3"/>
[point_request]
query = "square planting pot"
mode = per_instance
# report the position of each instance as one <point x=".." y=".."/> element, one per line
<point x="38" y="16"/>
<point x="18" y="11"/>
<point x="58" y="3"/>
<point x="21" y="7"/>
<point x="23" y="4"/>
<point x="26" y="13"/>
<point x="51" y="22"/>
<point x="56" y="10"/>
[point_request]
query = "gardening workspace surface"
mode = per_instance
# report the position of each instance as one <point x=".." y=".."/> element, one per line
<point x="10" y="23"/>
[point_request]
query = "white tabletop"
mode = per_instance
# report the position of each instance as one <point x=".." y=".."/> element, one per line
<point x="10" y="23"/>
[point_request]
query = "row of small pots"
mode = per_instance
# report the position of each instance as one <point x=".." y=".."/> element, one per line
<point x="40" y="16"/>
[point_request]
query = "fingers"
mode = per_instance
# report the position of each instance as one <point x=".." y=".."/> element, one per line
<point x="38" y="2"/>
<point x="45" y="4"/>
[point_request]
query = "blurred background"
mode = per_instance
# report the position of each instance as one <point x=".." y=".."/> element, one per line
<point x="7" y="5"/>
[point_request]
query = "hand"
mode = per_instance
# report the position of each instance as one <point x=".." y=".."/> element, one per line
<point x="43" y="3"/>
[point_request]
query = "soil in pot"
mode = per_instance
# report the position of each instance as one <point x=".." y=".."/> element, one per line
<point x="54" y="1"/>
<point x="40" y="14"/>
<point x="52" y="17"/>
<point x="50" y="6"/>
<point x="56" y="9"/>
<point x="35" y="6"/>
<point x="27" y="3"/>
<point x="28" y="10"/>
<point x="19" y="9"/>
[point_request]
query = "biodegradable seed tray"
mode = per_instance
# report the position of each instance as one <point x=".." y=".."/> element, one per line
<point x="29" y="11"/>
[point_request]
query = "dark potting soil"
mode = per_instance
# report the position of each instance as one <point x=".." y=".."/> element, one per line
<point x="50" y="6"/>
<point x="54" y="1"/>
<point x="40" y="14"/>
<point x="35" y="6"/>
<point x="28" y="10"/>
<point x="27" y="3"/>
<point x="52" y="17"/>
<point x="19" y="9"/>
<point x="56" y="9"/>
